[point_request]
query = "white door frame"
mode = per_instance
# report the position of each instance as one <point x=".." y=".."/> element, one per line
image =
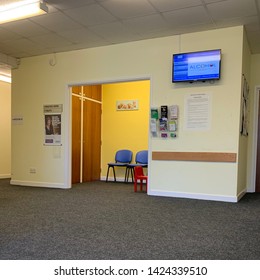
<point x="252" y="172"/>
<point x="68" y="120"/>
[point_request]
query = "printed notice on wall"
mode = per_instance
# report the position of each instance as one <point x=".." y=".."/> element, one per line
<point x="52" y="120"/>
<point x="17" y="120"/>
<point x="197" y="112"/>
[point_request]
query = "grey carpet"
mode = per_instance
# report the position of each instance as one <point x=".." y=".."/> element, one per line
<point x="109" y="221"/>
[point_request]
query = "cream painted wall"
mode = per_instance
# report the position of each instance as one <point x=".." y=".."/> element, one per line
<point x="243" y="140"/>
<point x="5" y="130"/>
<point x="213" y="180"/>
<point x="253" y="110"/>
<point x="150" y="59"/>
<point x="124" y="129"/>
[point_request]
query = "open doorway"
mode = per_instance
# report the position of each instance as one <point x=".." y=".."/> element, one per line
<point x="100" y="127"/>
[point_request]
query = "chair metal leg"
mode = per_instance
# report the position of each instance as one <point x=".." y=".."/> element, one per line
<point x="132" y="174"/>
<point x="126" y="175"/>
<point x="114" y="173"/>
<point x="107" y="172"/>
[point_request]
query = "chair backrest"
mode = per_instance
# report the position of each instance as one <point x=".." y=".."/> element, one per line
<point x="142" y="157"/>
<point x="124" y="156"/>
<point x="138" y="171"/>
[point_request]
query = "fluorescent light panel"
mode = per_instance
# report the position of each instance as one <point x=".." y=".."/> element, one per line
<point x="21" y="9"/>
<point x="5" y="78"/>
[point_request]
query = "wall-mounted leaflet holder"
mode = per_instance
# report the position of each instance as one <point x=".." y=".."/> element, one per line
<point x="173" y="112"/>
<point x="153" y="122"/>
<point x="164" y="125"/>
<point x="154" y="113"/>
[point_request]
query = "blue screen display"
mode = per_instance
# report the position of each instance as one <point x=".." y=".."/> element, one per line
<point x="196" y="66"/>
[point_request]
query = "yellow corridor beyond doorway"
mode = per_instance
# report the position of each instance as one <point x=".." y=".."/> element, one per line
<point x="124" y="129"/>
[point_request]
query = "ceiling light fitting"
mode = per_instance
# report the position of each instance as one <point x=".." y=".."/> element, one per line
<point x="5" y="78"/>
<point x="14" y="10"/>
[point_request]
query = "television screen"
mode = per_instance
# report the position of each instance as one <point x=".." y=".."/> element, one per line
<point x="196" y="66"/>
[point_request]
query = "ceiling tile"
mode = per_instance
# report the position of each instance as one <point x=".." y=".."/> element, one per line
<point x="182" y="17"/>
<point x="168" y="5"/>
<point x="115" y="32"/>
<point x="232" y="9"/>
<point x="7" y="49"/>
<point x="50" y="40"/>
<point x="81" y="35"/>
<point x="7" y="35"/>
<point x="88" y="44"/>
<point x="213" y="1"/>
<point x="68" y="4"/>
<point x="145" y="24"/>
<point x="36" y="52"/>
<point x="56" y="22"/>
<point x="90" y="15"/>
<point x="254" y="41"/>
<point x="250" y="22"/>
<point x="195" y="28"/>
<point x="20" y="54"/>
<point x="25" y="45"/>
<point x="128" y="8"/>
<point x="79" y="46"/>
<point x="25" y="28"/>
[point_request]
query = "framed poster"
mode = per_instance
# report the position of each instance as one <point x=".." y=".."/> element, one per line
<point x="126" y="105"/>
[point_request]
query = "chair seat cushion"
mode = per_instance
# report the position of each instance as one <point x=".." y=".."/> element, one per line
<point x="133" y="165"/>
<point x="117" y="164"/>
<point x="141" y="177"/>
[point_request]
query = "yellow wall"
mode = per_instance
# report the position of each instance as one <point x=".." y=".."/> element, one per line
<point x="5" y="130"/>
<point x="124" y="129"/>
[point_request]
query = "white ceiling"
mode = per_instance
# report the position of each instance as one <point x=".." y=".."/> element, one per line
<point x="78" y="24"/>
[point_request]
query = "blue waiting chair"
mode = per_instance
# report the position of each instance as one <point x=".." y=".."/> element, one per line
<point x="122" y="159"/>
<point x="141" y="159"/>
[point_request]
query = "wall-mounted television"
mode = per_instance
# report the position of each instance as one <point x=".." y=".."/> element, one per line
<point x="196" y="66"/>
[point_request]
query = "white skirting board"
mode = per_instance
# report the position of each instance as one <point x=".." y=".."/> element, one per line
<point x="5" y="176"/>
<point x="198" y="195"/>
<point x="39" y="184"/>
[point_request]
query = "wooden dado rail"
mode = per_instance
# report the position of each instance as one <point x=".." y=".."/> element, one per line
<point x="195" y="156"/>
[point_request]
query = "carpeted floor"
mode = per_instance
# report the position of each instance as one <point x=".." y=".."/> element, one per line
<point x="109" y="221"/>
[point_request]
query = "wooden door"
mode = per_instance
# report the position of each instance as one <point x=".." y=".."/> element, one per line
<point x="257" y="182"/>
<point x="91" y="141"/>
<point x="86" y="133"/>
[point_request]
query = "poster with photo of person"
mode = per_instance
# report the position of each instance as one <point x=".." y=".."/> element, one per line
<point x="52" y="129"/>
